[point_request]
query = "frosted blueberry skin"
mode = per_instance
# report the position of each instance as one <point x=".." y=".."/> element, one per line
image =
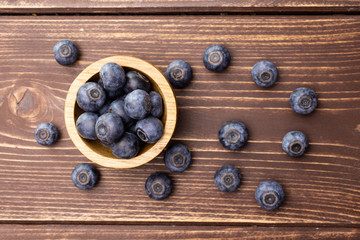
<point x="158" y="186"/>
<point x="216" y="58"/>
<point x="127" y="147"/>
<point x="177" y="158"/>
<point x="149" y="129"/>
<point x="264" y="73"/>
<point x="46" y="134"/>
<point x="269" y="195"/>
<point x="157" y="108"/>
<point x="65" y="52"/>
<point x="109" y="128"/>
<point x="117" y="107"/>
<point x="85" y="176"/>
<point x="137" y="104"/>
<point x="303" y="100"/>
<point x="295" y="143"/>
<point x="179" y="73"/>
<point x="136" y="80"/>
<point x="233" y="135"/>
<point x="85" y="125"/>
<point x="90" y="97"/>
<point x="227" y="178"/>
<point x="112" y="76"/>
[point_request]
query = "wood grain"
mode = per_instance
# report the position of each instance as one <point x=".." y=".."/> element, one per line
<point x="321" y="52"/>
<point x="174" y="6"/>
<point x="110" y="232"/>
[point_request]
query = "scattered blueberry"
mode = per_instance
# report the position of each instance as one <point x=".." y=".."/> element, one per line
<point x="136" y="80"/>
<point x="177" y="158"/>
<point x="233" y="135"/>
<point x="156" y="104"/>
<point x="112" y="76"/>
<point x="137" y="104"/>
<point x="46" y="134"/>
<point x="264" y="73"/>
<point x="179" y="73"/>
<point x="109" y="128"/>
<point x="158" y="186"/>
<point x="117" y="107"/>
<point x="85" y="176"/>
<point x="127" y="147"/>
<point x="90" y="97"/>
<point x="85" y="125"/>
<point x="227" y="178"/>
<point x="269" y="195"/>
<point x="295" y="143"/>
<point x="149" y="129"/>
<point x="216" y="58"/>
<point x="65" y="52"/>
<point x="303" y="100"/>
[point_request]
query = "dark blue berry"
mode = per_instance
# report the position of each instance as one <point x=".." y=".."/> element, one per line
<point x="109" y="128"/>
<point x="264" y="73"/>
<point x="156" y="104"/>
<point x="46" y="134"/>
<point x="269" y="195"/>
<point x="179" y="73"/>
<point x="158" y="186"/>
<point x="295" y="143"/>
<point x="90" y="97"/>
<point x="105" y="108"/>
<point x="149" y="129"/>
<point x="137" y="104"/>
<point x="112" y="76"/>
<point x="85" y="125"/>
<point x="127" y="147"/>
<point x="65" y="52"/>
<point x="233" y="135"/>
<point x="227" y="178"/>
<point x="115" y="94"/>
<point x="303" y="100"/>
<point x="136" y="80"/>
<point x="85" y="176"/>
<point x="216" y="58"/>
<point x="177" y="158"/>
<point x="117" y="107"/>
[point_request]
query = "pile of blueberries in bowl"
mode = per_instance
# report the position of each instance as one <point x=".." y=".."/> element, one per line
<point x="137" y="102"/>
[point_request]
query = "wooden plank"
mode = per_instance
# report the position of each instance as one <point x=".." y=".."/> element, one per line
<point x="321" y="52"/>
<point x="72" y="232"/>
<point x="174" y="6"/>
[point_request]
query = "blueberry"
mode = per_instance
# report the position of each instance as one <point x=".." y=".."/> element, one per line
<point x="233" y="135"/>
<point x="136" y="80"/>
<point x="105" y="144"/>
<point x="137" y="104"/>
<point x="115" y="94"/>
<point x="179" y="73"/>
<point x="117" y="107"/>
<point x="216" y="58"/>
<point x="127" y="147"/>
<point x="156" y="104"/>
<point x="131" y="128"/>
<point x="295" y="143"/>
<point x="65" y="52"/>
<point x="46" y="134"/>
<point x="149" y="129"/>
<point x="227" y="178"/>
<point x="177" y="158"/>
<point x="109" y="128"/>
<point x="158" y="186"/>
<point x="105" y="108"/>
<point x="264" y="73"/>
<point x="85" y="176"/>
<point x="85" y="125"/>
<point x="303" y="100"/>
<point x="90" y="97"/>
<point x="112" y="76"/>
<point x="269" y="195"/>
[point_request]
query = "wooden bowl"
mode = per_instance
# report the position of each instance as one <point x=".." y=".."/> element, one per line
<point x="94" y="150"/>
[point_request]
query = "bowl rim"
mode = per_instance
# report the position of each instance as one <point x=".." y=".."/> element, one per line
<point x="170" y="110"/>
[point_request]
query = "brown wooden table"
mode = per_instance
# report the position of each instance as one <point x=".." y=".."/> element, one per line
<point x="313" y="43"/>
